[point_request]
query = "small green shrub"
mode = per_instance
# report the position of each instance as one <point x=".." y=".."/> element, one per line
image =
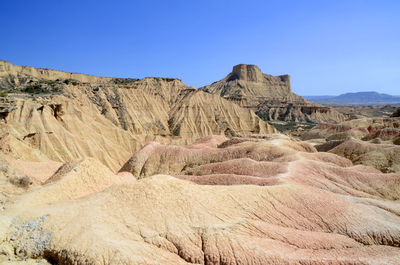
<point x="124" y="81"/>
<point x="21" y="181"/>
<point x="291" y="125"/>
<point x="33" y="89"/>
<point x="3" y="94"/>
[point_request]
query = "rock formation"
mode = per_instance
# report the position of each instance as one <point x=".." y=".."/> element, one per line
<point x="293" y="206"/>
<point x="384" y="157"/>
<point x="358" y="112"/>
<point x="368" y="141"/>
<point x="271" y="97"/>
<point x="15" y="77"/>
<point x="396" y="113"/>
<point x="65" y="116"/>
<point x="244" y="196"/>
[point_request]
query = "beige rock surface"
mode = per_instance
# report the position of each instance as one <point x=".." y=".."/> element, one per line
<point x="319" y="209"/>
<point x="367" y="141"/>
<point x="358" y="112"/>
<point x="271" y="97"/>
<point x="386" y="129"/>
<point x="385" y="157"/>
<point x="71" y="116"/>
<point x="16" y="75"/>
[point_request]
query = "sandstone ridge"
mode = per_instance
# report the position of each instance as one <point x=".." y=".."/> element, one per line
<point x="14" y="73"/>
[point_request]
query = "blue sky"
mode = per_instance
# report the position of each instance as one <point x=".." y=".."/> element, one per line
<point x="328" y="47"/>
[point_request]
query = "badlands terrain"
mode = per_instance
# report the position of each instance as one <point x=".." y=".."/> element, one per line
<point x="97" y="170"/>
<point x="371" y="141"/>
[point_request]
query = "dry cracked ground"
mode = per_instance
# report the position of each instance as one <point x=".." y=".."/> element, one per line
<point x="257" y="200"/>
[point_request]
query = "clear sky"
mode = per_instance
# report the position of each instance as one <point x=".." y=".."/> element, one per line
<point x="327" y="46"/>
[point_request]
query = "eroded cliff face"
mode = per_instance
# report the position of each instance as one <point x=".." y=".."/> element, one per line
<point x="63" y="116"/>
<point x="271" y="97"/>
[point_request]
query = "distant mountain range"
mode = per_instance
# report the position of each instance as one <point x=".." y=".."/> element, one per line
<point x="358" y="98"/>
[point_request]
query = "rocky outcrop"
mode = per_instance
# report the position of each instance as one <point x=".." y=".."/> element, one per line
<point x="358" y="112"/>
<point x="249" y="73"/>
<point x="367" y="129"/>
<point x="396" y="113"/>
<point x="67" y="116"/>
<point x="384" y="157"/>
<point x="271" y="97"/>
<point x="293" y="206"/>
<point x="368" y="141"/>
<point x="6" y="106"/>
<point x="15" y="77"/>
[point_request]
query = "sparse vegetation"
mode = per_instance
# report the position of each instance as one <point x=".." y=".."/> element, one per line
<point x="176" y="131"/>
<point x="124" y="81"/>
<point x="44" y="86"/>
<point x="3" y="94"/>
<point x="33" y="89"/>
<point x="292" y="125"/>
<point x="21" y="181"/>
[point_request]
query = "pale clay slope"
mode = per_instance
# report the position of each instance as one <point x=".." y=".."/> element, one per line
<point x="318" y="210"/>
<point x="109" y="121"/>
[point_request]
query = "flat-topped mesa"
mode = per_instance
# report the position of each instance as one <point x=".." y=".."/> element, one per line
<point x="252" y="73"/>
<point x="248" y="84"/>
<point x="247" y="72"/>
<point x="271" y="97"/>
